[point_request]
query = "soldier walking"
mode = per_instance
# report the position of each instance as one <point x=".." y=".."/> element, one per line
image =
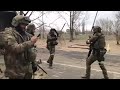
<point x="98" y="51"/>
<point x="51" y="43"/>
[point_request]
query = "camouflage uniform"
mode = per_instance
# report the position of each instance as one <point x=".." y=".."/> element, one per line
<point x="51" y="43"/>
<point x="5" y="21"/>
<point x="31" y="28"/>
<point x="98" y="52"/>
<point x="19" y="55"/>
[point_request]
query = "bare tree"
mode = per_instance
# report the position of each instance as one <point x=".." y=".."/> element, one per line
<point x="81" y="22"/>
<point x="117" y="27"/>
<point x="26" y="13"/>
<point x="71" y="31"/>
<point x="106" y="25"/>
<point x="110" y="27"/>
<point x="83" y="27"/>
<point x="74" y="16"/>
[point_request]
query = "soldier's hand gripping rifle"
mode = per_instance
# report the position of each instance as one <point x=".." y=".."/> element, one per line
<point x="91" y="44"/>
<point x="35" y="65"/>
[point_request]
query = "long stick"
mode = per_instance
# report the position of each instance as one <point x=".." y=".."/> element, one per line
<point x="63" y="26"/>
<point x="90" y="50"/>
<point x="42" y="69"/>
<point x="61" y="31"/>
<point x="94" y="19"/>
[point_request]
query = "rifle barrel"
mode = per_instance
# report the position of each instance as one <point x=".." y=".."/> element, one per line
<point x="42" y="69"/>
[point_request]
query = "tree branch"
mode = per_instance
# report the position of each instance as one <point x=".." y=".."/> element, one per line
<point x="64" y="19"/>
<point x="26" y="13"/>
<point x="30" y="13"/>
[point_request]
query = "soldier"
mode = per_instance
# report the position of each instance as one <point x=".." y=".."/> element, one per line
<point x="98" y="51"/>
<point x="5" y="21"/>
<point x="31" y="29"/>
<point x="51" y="43"/>
<point x="19" y="56"/>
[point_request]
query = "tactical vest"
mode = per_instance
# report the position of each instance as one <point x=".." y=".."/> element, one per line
<point x="100" y="42"/>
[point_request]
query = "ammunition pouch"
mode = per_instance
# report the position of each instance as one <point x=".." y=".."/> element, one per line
<point x="99" y="53"/>
<point x="103" y="52"/>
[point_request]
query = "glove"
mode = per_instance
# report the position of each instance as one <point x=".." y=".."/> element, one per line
<point x="34" y="67"/>
<point x="88" y="42"/>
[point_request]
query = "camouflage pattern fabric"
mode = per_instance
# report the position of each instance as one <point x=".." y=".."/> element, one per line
<point x="18" y="55"/>
<point x="51" y="43"/>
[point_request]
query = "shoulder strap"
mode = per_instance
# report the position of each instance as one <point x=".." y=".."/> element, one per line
<point x="98" y="38"/>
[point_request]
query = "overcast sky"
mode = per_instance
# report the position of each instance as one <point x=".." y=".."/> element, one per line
<point x="101" y="14"/>
<point x="58" y="22"/>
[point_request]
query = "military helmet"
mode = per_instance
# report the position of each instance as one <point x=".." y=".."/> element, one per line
<point x="20" y="19"/>
<point x="96" y="29"/>
<point x="52" y="29"/>
<point x="31" y="26"/>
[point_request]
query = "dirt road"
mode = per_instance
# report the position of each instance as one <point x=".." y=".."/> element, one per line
<point x="70" y="63"/>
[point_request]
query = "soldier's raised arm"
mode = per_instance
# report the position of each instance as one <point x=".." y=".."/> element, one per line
<point x="97" y="33"/>
<point x="93" y="38"/>
<point x="12" y="45"/>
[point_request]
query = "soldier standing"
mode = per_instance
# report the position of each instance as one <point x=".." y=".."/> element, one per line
<point x="51" y="43"/>
<point x="98" y="51"/>
<point x="19" y="56"/>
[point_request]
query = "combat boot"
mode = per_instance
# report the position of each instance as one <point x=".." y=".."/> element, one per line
<point x="88" y="71"/>
<point x="85" y="77"/>
<point x="50" y="64"/>
<point x="104" y="71"/>
<point x="106" y="77"/>
<point x="47" y="61"/>
<point x="51" y="61"/>
<point x="50" y="67"/>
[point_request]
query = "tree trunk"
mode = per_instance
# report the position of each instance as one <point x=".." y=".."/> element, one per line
<point x="118" y="43"/>
<point x="83" y="27"/>
<point x="42" y="35"/>
<point x="73" y="26"/>
<point x="117" y="39"/>
<point x="70" y="26"/>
